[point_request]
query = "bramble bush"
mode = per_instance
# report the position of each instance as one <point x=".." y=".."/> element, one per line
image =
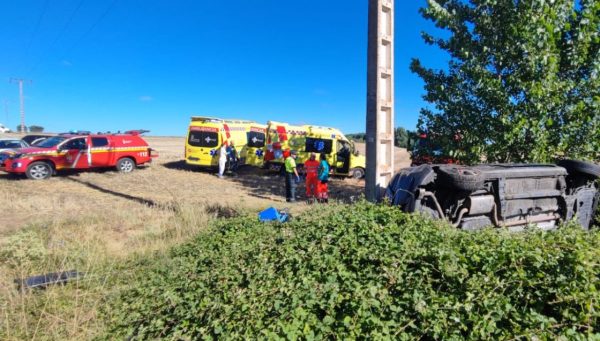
<point x="366" y="271"/>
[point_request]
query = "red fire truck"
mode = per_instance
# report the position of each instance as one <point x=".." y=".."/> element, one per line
<point x="78" y="151"/>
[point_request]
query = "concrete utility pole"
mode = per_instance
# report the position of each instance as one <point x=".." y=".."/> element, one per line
<point x="380" y="98"/>
<point x="21" y="100"/>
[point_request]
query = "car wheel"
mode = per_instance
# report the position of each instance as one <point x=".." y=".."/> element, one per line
<point x="125" y="165"/>
<point x="582" y="167"/>
<point x="39" y="171"/>
<point x="357" y="173"/>
<point x="461" y="178"/>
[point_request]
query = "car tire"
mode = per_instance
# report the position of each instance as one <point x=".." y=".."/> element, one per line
<point x="126" y="165"/>
<point x="461" y="178"/>
<point x="582" y="167"/>
<point x="357" y="173"/>
<point x="39" y="170"/>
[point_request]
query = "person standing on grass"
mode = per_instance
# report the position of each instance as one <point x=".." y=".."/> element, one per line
<point x="291" y="177"/>
<point x="311" y="167"/>
<point x="222" y="159"/>
<point x="232" y="157"/>
<point x="323" y="176"/>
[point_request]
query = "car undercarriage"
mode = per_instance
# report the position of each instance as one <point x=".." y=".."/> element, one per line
<point x="513" y="196"/>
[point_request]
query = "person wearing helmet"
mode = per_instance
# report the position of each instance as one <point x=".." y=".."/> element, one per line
<point x="291" y="176"/>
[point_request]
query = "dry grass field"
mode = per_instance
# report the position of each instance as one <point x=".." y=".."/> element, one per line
<point x="94" y="221"/>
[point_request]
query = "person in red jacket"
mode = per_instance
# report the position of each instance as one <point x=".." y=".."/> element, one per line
<point x="311" y="167"/>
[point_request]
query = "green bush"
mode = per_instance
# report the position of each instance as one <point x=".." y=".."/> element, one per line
<point x="366" y="271"/>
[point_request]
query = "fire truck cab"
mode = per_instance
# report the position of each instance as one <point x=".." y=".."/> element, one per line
<point x="78" y="151"/>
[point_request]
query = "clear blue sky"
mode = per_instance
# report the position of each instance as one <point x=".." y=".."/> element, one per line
<point x="128" y="64"/>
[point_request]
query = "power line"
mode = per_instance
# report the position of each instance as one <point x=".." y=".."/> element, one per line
<point x="106" y="12"/>
<point x="37" y="27"/>
<point x="94" y="25"/>
<point x="60" y="34"/>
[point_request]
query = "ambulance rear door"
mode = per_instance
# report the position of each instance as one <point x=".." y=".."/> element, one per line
<point x="203" y="144"/>
<point x="255" y="146"/>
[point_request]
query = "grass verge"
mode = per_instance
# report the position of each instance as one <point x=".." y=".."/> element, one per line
<point x="109" y="249"/>
<point x="366" y="271"/>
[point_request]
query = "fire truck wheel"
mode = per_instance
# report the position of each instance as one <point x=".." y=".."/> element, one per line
<point x="39" y="171"/>
<point x="461" y="178"/>
<point x="125" y="165"/>
<point x="357" y="173"/>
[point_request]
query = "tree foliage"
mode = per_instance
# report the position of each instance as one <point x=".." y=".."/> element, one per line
<point x="522" y="82"/>
<point x="36" y="129"/>
<point x="401" y="137"/>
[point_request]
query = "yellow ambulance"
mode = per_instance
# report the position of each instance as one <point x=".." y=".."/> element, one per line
<point x="306" y="139"/>
<point x="206" y="135"/>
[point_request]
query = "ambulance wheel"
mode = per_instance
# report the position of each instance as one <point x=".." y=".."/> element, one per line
<point x="357" y="173"/>
<point x="126" y="165"/>
<point x="39" y="171"/>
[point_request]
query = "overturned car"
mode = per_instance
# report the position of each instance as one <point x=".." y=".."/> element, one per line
<point x="502" y="195"/>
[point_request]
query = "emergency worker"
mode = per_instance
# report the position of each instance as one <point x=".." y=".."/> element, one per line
<point x="291" y="177"/>
<point x="311" y="167"/>
<point x="222" y="159"/>
<point x="323" y="176"/>
<point x="232" y="157"/>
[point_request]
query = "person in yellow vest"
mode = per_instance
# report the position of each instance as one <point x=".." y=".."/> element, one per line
<point x="291" y="177"/>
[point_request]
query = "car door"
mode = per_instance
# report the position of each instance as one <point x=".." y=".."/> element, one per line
<point x="100" y="151"/>
<point x="343" y="157"/>
<point x="76" y="153"/>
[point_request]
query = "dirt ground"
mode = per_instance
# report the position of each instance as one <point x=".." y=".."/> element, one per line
<point x="163" y="184"/>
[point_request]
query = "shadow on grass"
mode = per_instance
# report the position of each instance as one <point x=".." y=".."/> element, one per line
<point x="66" y="173"/>
<point x="138" y="200"/>
<point x="263" y="184"/>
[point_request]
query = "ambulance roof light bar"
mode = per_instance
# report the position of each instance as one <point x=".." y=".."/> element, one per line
<point x="219" y="120"/>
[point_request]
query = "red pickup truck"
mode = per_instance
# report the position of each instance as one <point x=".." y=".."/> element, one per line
<point x="67" y="151"/>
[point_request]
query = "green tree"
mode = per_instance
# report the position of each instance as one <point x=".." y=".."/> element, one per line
<point x="401" y="137"/>
<point x="36" y="129"/>
<point x="522" y="83"/>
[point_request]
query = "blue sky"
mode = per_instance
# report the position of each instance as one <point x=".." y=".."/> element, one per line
<point x="128" y="64"/>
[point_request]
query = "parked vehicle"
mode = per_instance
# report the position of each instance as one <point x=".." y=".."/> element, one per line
<point x="501" y="195"/>
<point x="9" y="146"/>
<point x="66" y="151"/>
<point x="34" y="139"/>
<point x="207" y="134"/>
<point x="306" y="139"/>
<point x="3" y="129"/>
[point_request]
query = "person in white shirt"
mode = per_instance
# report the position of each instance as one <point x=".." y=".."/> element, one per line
<point x="222" y="159"/>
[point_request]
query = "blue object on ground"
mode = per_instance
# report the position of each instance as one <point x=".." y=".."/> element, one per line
<point x="272" y="214"/>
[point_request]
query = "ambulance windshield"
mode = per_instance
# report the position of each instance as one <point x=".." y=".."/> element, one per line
<point x="51" y="142"/>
